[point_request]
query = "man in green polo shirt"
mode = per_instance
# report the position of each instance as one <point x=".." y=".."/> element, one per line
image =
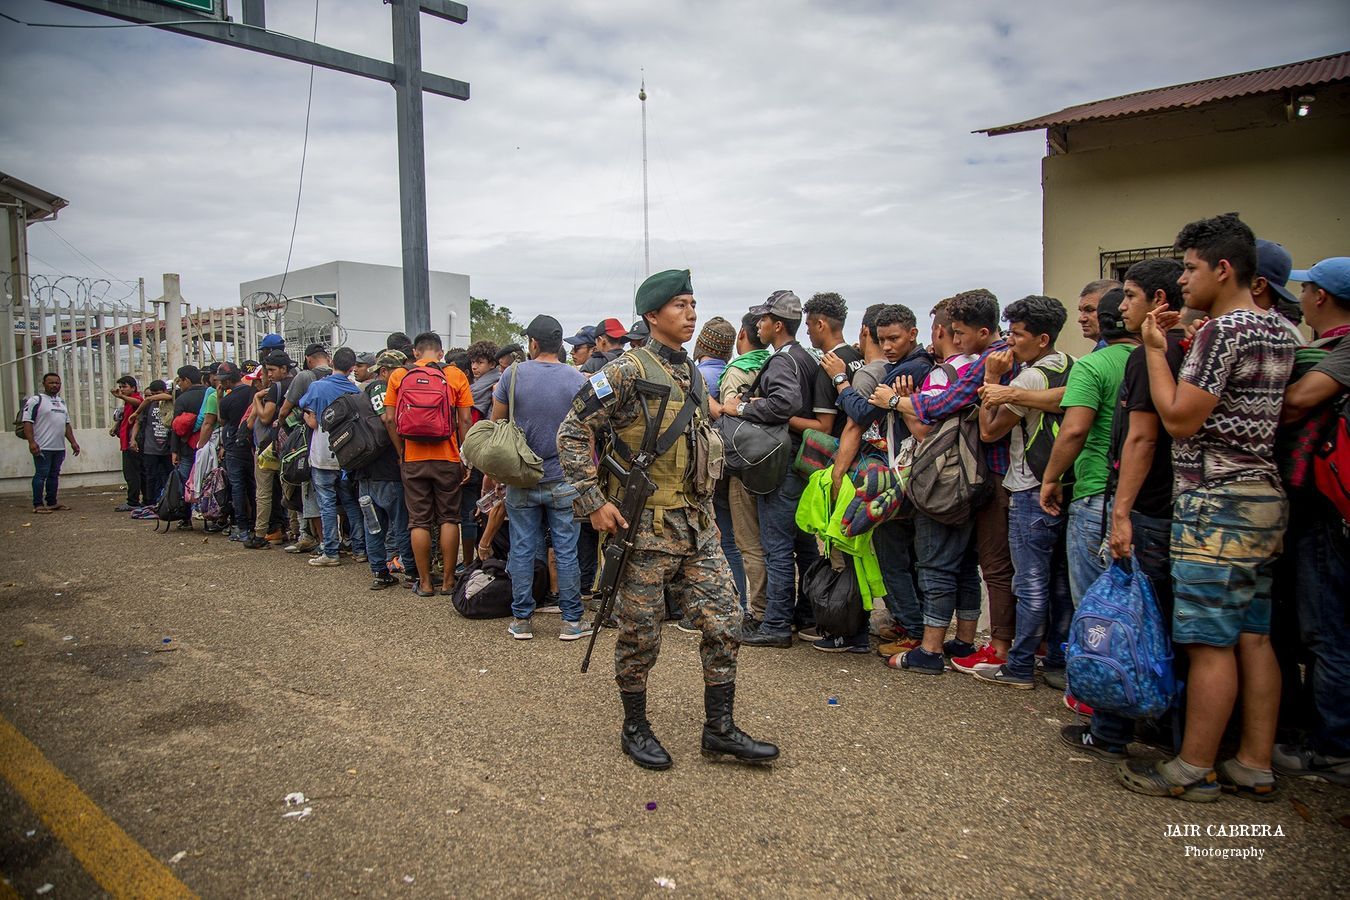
<point x="1084" y="441"/>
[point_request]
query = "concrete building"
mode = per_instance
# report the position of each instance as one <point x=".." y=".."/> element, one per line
<point x="1121" y="176"/>
<point x="356" y="304"/>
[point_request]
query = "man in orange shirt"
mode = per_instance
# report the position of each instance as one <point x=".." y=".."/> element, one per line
<point x="426" y="412"/>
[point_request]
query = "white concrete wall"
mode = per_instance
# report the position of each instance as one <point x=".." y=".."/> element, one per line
<point x="370" y="300"/>
<point x="99" y="462"/>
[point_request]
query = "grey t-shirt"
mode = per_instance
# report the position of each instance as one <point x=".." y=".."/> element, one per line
<point x="866" y="379"/>
<point x="49" y="428"/>
<point x="1336" y="364"/>
<point x="544" y="393"/>
<point x="303" y="380"/>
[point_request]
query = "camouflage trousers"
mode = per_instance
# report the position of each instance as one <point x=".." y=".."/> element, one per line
<point x="700" y="584"/>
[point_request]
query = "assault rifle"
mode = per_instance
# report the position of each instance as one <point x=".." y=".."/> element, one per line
<point x="637" y="487"/>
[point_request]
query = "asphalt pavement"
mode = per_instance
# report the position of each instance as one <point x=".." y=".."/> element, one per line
<point x="188" y="686"/>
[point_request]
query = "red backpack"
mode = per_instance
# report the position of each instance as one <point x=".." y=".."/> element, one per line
<point x="423" y="412"/>
<point x="1331" y="460"/>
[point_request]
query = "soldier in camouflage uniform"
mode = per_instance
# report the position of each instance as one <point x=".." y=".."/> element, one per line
<point x="677" y="549"/>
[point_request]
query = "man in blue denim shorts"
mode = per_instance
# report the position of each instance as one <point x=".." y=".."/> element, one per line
<point x="1229" y="513"/>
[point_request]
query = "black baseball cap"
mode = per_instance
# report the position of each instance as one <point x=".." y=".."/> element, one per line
<point x="228" y="370"/>
<point x="279" y="359"/>
<point x="316" y="348"/>
<point x="544" y="328"/>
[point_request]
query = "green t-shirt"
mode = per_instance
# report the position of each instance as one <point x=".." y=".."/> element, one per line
<point x="1094" y="382"/>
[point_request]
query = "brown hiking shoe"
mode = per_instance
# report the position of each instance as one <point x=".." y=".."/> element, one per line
<point x="899" y="646"/>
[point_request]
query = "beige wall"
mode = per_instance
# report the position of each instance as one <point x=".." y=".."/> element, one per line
<point x="1134" y="183"/>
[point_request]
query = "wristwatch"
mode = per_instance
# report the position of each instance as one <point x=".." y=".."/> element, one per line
<point x="840" y="378"/>
<point x="894" y="401"/>
<point x="740" y="408"/>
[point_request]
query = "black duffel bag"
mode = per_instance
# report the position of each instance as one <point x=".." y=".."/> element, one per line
<point x="835" y="597"/>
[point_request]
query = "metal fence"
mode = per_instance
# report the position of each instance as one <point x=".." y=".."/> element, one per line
<point x="70" y="326"/>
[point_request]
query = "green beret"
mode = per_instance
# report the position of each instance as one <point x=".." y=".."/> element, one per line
<point x="658" y="289"/>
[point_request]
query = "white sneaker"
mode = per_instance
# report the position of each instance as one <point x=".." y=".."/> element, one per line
<point x="322" y="560"/>
<point x="520" y="629"/>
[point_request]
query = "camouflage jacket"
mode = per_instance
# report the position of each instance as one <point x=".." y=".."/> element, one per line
<point x="609" y="400"/>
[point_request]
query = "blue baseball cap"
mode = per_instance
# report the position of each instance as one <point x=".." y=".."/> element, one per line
<point x="584" y="337"/>
<point x="272" y="342"/>
<point x="1331" y="275"/>
<point x="1273" y="263"/>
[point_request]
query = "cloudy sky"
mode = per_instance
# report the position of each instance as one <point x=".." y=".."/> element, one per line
<point x="794" y="144"/>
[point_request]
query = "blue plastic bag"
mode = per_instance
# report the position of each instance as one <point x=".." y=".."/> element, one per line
<point x="1119" y="658"/>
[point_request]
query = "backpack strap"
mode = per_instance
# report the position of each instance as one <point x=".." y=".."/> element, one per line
<point x="511" y="395"/>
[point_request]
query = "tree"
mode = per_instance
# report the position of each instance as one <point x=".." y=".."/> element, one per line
<point x="493" y="323"/>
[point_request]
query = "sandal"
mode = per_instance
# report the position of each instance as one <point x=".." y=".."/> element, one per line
<point x="1143" y="777"/>
<point x="59" y="506"/>
<point x="41" y="510"/>
<point x="417" y="589"/>
<point x="1262" y="793"/>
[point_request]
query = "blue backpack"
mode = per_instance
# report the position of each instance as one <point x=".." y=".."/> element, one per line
<point x="1119" y="658"/>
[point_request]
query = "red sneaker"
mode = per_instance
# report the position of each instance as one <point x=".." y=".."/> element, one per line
<point x="1077" y="705"/>
<point x="981" y="658"/>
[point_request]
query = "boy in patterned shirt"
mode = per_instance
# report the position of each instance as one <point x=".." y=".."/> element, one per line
<point x="1229" y="513"/>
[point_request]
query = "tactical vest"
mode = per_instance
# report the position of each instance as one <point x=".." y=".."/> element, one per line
<point x="672" y="472"/>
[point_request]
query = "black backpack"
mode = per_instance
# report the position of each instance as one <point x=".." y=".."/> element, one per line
<point x="172" y="507"/>
<point x="295" y="456"/>
<point x="356" y="434"/>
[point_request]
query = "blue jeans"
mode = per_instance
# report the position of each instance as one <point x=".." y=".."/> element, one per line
<point x="530" y="511"/>
<point x="1153" y="557"/>
<point x="333" y="490"/>
<point x="722" y="512"/>
<point x="239" y="474"/>
<point x="788" y="551"/>
<point x="387" y="497"/>
<point x="894" y="543"/>
<point x="948" y="571"/>
<point x="47" y="476"/>
<point x="1321" y="544"/>
<point x="1085" y="543"/>
<point x="1040" y="583"/>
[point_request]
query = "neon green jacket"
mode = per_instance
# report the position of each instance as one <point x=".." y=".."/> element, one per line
<point x="817" y="515"/>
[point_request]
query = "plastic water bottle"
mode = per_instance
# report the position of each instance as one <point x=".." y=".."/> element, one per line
<point x="368" y="510"/>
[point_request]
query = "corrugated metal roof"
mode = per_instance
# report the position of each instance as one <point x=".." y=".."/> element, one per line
<point x="1309" y="73"/>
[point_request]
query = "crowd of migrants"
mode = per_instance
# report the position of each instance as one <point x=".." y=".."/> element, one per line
<point x="1179" y="448"/>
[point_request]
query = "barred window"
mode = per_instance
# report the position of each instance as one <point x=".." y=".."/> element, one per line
<point x="1114" y="263"/>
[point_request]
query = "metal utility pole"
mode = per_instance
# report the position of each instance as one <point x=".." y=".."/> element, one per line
<point x="206" y="19"/>
<point x="412" y="165"/>
<point x="646" y="235"/>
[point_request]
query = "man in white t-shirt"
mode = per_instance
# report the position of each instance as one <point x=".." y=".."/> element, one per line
<point x="46" y="425"/>
<point x="1040" y="565"/>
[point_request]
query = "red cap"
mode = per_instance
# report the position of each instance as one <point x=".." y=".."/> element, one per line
<point x="613" y="328"/>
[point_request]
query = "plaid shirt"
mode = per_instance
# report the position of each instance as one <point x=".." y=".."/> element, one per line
<point x="964" y="393"/>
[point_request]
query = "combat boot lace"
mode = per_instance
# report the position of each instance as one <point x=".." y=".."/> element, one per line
<point x="638" y="741"/>
<point x="721" y="737"/>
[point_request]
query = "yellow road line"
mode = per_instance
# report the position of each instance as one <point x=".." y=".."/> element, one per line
<point x="121" y="866"/>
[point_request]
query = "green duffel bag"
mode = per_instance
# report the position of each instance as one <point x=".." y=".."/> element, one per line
<point x="499" y="449"/>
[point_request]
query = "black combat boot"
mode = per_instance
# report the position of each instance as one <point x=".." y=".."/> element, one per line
<point x="638" y="741"/>
<point x="721" y="737"/>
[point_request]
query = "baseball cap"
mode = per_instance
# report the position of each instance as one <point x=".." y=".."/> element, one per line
<point x="279" y="358"/>
<point x="783" y="304"/>
<point x="639" y="331"/>
<point x="315" y="348"/>
<point x="511" y="350"/>
<point x="585" y="336"/>
<point x="365" y="359"/>
<point x="1273" y="263"/>
<point x="271" y="342"/>
<point x="391" y="358"/>
<point x="1331" y="275"/>
<point x="544" y="328"/>
<point x="612" y="329"/>
<point x="227" y="370"/>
